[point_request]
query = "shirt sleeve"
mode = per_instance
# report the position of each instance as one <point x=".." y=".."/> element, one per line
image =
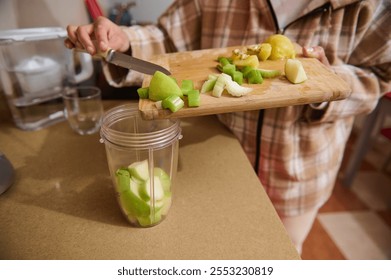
<point x="368" y="70"/>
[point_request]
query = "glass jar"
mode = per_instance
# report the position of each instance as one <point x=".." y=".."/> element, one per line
<point x="142" y="158"/>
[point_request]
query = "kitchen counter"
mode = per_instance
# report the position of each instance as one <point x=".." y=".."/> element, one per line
<point x="62" y="205"/>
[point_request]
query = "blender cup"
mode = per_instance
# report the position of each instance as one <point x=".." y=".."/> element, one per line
<point x="142" y="158"/>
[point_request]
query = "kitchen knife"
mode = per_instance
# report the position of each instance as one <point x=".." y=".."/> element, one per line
<point x="130" y="62"/>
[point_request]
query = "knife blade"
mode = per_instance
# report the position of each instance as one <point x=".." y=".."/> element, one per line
<point x="130" y="62"/>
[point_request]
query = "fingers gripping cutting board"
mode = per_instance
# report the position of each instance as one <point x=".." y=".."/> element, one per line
<point x="322" y="85"/>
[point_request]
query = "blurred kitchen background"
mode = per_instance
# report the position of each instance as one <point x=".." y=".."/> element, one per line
<point x="55" y="13"/>
<point x="39" y="13"/>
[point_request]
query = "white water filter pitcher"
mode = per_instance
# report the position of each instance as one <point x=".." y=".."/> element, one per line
<point x="35" y="67"/>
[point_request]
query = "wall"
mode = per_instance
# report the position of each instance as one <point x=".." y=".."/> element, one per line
<point x="41" y="13"/>
<point x="144" y="11"/>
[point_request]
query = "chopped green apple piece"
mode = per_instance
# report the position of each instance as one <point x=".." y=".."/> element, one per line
<point x="173" y="103"/>
<point x="186" y="86"/>
<point x="123" y="179"/>
<point x="164" y="178"/>
<point x="193" y="98"/>
<point x="143" y="93"/>
<point x="139" y="170"/>
<point x="294" y="71"/>
<point x="143" y="201"/>
<point x="163" y="86"/>
<point x="265" y="73"/>
<point x="158" y="191"/>
<point x="131" y="201"/>
<point x="167" y="203"/>
<point x="150" y="220"/>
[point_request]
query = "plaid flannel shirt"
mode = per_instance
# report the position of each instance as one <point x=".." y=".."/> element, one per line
<point x="298" y="149"/>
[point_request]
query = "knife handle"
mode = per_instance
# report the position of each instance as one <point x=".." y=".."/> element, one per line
<point x="98" y="54"/>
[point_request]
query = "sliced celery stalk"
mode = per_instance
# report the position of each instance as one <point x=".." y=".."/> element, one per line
<point x="193" y="98"/>
<point x="220" y="84"/>
<point x="255" y="77"/>
<point x="246" y="70"/>
<point x="186" y="86"/>
<point x="143" y="93"/>
<point x="265" y="73"/>
<point x="238" y="77"/>
<point x="229" y="69"/>
<point x="209" y="84"/>
<point x="234" y="89"/>
<point x="219" y="68"/>
<point x="173" y="103"/>
<point x="224" y="61"/>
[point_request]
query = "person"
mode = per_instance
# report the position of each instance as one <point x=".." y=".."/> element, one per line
<point x="296" y="151"/>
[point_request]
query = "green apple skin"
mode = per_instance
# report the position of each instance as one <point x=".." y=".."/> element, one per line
<point x="167" y="203"/>
<point x="139" y="170"/>
<point x="134" y="205"/>
<point x="134" y="196"/>
<point x="150" y="220"/>
<point x="123" y="180"/>
<point x="164" y="178"/>
<point x="163" y="86"/>
<point x="144" y="190"/>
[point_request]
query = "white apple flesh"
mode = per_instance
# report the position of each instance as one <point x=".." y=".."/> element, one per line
<point x="294" y="71"/>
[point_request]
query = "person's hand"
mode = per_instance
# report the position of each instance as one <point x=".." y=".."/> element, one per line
<point x="97" y="37"/>
<point x="316" y="52"/>
<point x="316" y="110"/>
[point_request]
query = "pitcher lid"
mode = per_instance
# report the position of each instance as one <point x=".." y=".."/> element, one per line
<point x="31" y="34"/>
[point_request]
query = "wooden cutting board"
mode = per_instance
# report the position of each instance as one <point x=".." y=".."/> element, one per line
<point x="322" y="85"/>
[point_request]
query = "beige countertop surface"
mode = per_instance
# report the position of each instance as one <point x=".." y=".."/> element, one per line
<point x="62" y="204"/>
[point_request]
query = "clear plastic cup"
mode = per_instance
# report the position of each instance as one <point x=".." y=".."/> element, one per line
<point x="83" y="109"/>
<point x="142" y="157"/>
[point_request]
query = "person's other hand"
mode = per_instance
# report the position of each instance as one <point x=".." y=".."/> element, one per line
<point x="316" y="52"/>
<point x="97" y="37"/>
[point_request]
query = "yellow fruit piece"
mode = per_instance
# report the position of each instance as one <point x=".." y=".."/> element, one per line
<point x="294" y="71"/>
<point x="251" y="60"/>
<point x="265" y="51"/>
<point x="282" y="47"/>
<point x="253" y="49"/>
<point x="238" y="54"/>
